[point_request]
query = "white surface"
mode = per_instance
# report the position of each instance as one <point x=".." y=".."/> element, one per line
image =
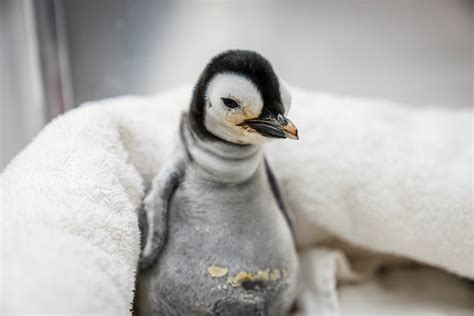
<point x="409" y="291"/>
<point x="385" y="177"/>
<point x="382" y="175"/>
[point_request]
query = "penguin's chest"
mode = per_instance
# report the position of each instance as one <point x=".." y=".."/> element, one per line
<point x="241" y="222"/>
<point x="225" y="239"/>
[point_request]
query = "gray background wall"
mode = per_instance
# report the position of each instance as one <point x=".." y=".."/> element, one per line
<point x="417" y="51"/>
<point x="21" y="99"/>
<point x="413" y="51"/>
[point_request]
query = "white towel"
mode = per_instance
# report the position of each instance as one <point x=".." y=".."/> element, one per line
<point x="385" y="177"/>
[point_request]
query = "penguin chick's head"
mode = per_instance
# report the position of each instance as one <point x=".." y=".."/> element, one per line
<point x="240" y="99"/>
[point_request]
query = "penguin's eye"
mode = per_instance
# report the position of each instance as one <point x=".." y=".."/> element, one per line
<point x="230" y="103"/>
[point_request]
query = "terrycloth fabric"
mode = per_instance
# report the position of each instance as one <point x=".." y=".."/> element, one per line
<point x="385" y="177"/>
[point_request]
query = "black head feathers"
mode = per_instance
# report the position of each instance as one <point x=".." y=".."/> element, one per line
<point x="246" y="63"/>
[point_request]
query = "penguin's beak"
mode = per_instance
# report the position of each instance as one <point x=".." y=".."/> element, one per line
<point x="276" y="127"/>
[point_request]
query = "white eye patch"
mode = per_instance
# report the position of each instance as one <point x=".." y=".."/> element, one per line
<point x="237" y="88"/>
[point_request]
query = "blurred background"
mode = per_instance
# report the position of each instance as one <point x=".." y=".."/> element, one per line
<point x="56" y="54"/>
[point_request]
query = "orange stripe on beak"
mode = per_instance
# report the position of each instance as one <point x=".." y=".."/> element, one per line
<point x="290" y="130"/>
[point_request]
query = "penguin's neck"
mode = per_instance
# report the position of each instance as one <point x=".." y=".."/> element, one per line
<point x="220" y="161"/>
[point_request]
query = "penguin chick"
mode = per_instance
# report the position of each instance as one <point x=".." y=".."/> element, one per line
<point x="218" y="238"/>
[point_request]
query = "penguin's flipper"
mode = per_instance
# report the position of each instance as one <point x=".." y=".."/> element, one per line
<point x="278" y="196"/>
<point x="156" y="210"/>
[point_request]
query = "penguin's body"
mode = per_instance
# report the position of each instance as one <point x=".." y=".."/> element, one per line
<point x="219" y="237"/>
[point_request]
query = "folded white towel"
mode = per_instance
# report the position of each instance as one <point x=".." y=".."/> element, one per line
<point x="385" y="177"/>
